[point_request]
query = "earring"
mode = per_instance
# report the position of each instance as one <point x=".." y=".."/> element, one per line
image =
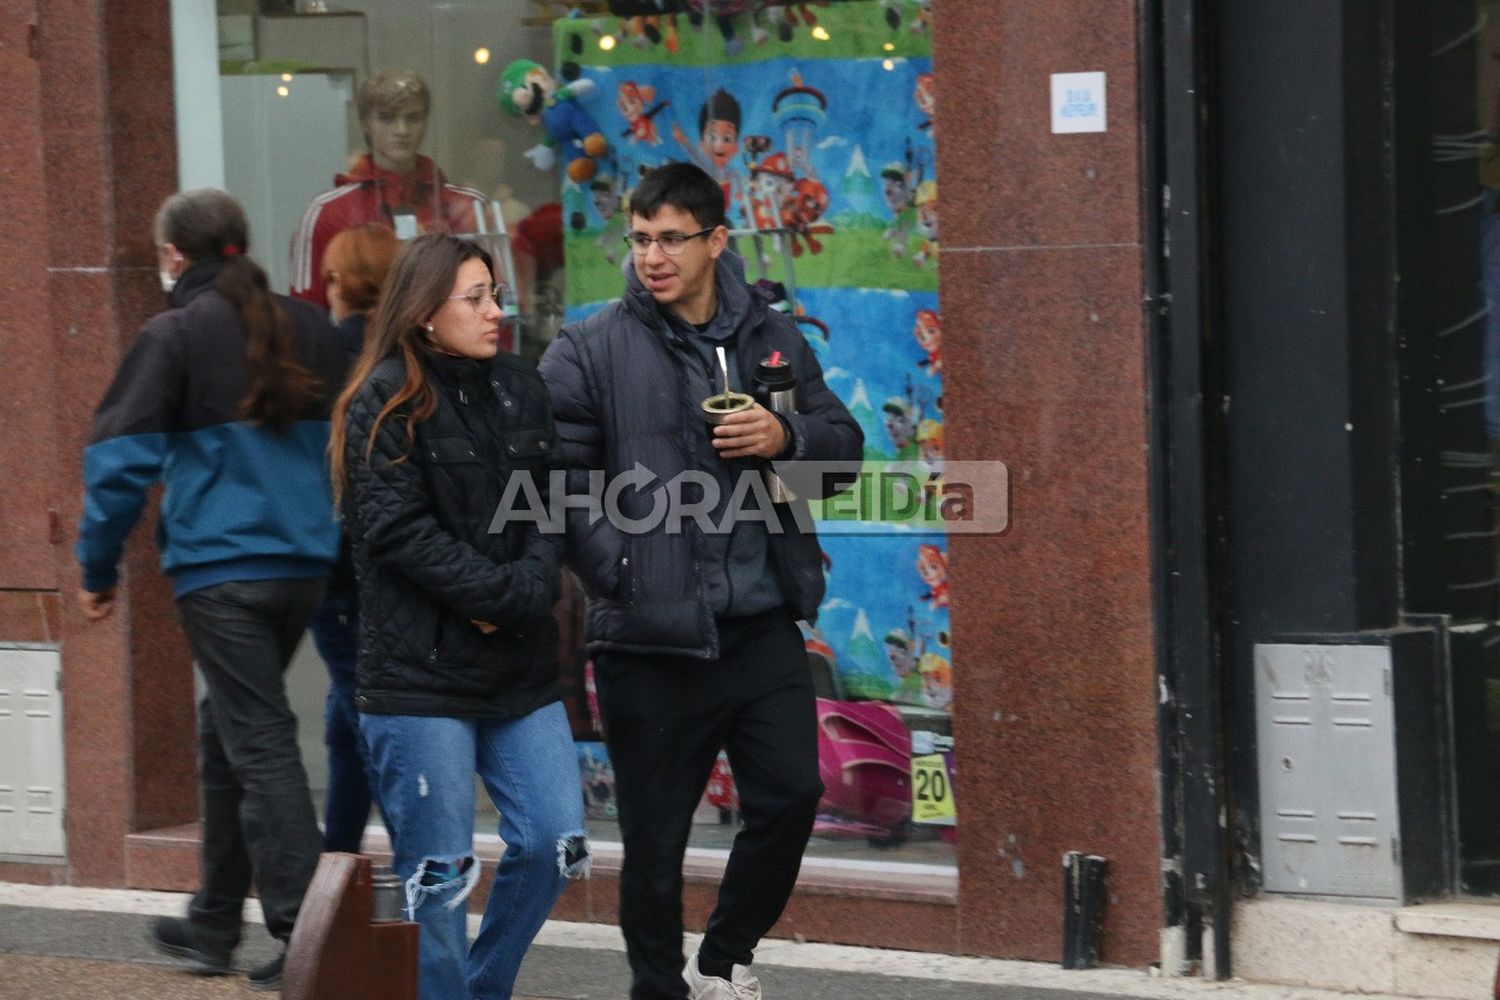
<point x="429" y="327"/>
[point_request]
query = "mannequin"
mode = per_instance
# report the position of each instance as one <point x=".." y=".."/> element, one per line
<point x="391" y="183"/>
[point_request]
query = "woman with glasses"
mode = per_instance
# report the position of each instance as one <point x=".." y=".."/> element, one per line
<point x="457" y="667"/>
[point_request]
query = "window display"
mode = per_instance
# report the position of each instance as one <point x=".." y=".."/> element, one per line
<point x="529" y="122"/>
<point x="390" y="183"/>
<point x="787" y="106"/>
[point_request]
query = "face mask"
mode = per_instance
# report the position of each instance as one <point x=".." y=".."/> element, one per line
<point x="167" y="281"/>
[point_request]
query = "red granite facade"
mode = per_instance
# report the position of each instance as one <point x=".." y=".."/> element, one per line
<point x="1045" y="354"/>
<point x="91" y="154"/>
<point x="1045" y="363"/>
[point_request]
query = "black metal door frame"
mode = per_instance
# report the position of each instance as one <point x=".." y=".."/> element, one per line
<point x="1232" y="297"/>
<point x="1185" y="508"/>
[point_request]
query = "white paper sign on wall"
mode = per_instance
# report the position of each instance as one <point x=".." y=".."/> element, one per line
<point x="1078" y="102"/>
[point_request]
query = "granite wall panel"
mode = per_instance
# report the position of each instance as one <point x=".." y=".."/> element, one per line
<point x="28" y="449"/>
<point x="94" y="102"/>
<point x="1045" y="360"/>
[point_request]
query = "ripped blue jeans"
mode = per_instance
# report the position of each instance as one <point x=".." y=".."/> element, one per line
<point x="425" y="767"/>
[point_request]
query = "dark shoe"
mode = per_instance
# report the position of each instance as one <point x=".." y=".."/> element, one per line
<point x="268" y="977"/>
<point x="174" y="936"/>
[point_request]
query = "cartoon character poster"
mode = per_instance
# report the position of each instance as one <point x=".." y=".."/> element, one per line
<point x="819" y="122"/>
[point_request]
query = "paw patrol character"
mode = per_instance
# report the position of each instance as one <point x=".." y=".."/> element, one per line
<point x="930" y="455"/>
<point x="608" y="193"/>
<point x="805" y="205"/>
<point x="772" y="184"/>
<point x="896" y="183"/>
<point x="932" y="567"/>
<point x="926" y="97"/>
<point x="529" y="91"/>
<point x="937" y="681"/>
<point x="927" y="224"/>
<point x="928" y="332"/>
<point x="902" y="656"/>
<point x="900" y="424"/>
<point x="718" y="142"/>
<point x="632" y="100"/>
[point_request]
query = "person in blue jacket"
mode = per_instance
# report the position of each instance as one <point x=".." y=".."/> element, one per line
<point x="225" y="398"/>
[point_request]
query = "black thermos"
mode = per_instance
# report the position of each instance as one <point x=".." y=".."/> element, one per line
<point x="776" y="388"/>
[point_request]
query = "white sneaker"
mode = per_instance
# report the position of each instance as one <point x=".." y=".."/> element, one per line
<point x="740" y="986"/>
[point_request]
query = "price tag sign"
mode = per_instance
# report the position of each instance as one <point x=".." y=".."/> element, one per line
<point x="932" y="791"/>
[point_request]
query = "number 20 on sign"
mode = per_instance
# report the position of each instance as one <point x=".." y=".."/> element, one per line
<point x="932" y="791"/>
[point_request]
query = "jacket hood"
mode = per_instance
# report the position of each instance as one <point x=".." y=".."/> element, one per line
<point x="737" y="305"/>
<point x="199" y="277"/>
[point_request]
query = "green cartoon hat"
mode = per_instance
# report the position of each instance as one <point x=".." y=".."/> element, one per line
<point x="515" y="93"/>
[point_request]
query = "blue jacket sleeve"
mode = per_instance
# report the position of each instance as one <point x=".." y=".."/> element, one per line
<point x="127" y="449"/>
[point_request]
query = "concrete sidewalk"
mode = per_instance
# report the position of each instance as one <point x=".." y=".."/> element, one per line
<point x="59" y="943"/>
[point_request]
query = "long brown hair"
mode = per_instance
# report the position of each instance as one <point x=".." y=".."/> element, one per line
<point x="420" y="281"/>
<point x="205" y="223"/>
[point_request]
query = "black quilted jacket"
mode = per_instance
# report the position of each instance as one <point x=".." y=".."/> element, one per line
<point x="427" y="564"/>
<point x="621" y="401"/>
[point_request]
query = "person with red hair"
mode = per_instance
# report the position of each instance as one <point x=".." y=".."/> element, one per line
<point x="355" y="267"/>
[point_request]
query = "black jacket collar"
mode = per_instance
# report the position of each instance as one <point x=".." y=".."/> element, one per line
<point x="455" y="371"/>
<point x="738" y="306"/>
<point x="197" y="279"/>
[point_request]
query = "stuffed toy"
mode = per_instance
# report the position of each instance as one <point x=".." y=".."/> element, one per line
<point x="529" y="91"/>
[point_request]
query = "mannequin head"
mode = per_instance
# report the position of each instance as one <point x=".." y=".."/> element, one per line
<point x="393" y="106"/>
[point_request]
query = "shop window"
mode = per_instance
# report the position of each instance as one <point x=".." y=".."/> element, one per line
<point x="820" y="121"/>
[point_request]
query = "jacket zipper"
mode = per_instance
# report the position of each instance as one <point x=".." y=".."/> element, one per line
<point x="686" y="443"/>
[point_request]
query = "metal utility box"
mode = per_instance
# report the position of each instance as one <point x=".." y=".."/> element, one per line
<point x="1327" y="757"/>
<point x="31" y="753"/>
<point x="1353" y="773"/>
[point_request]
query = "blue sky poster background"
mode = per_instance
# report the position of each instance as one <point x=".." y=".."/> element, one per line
<point x="867" y="296"/>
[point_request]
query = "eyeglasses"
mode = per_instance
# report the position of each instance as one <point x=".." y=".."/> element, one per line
<point x="477" y="297"/>
<point x="671" y="244"/>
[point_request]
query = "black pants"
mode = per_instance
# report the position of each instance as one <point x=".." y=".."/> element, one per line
<point x="258" y="818"/>
<point x="665" y="720"/>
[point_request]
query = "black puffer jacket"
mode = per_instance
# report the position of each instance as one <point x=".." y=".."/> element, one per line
<point x="428" y="565"/>
<point x="621" y="399"/>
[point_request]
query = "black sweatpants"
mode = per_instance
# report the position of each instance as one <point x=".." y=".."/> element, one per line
<point x="665" y="720"/>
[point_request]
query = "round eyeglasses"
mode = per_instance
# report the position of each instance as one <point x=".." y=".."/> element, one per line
<point x="478" y="297"/>
<point x="671" y="244"/>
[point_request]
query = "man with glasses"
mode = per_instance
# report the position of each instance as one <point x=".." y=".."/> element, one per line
<point x="692" y="626"/>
